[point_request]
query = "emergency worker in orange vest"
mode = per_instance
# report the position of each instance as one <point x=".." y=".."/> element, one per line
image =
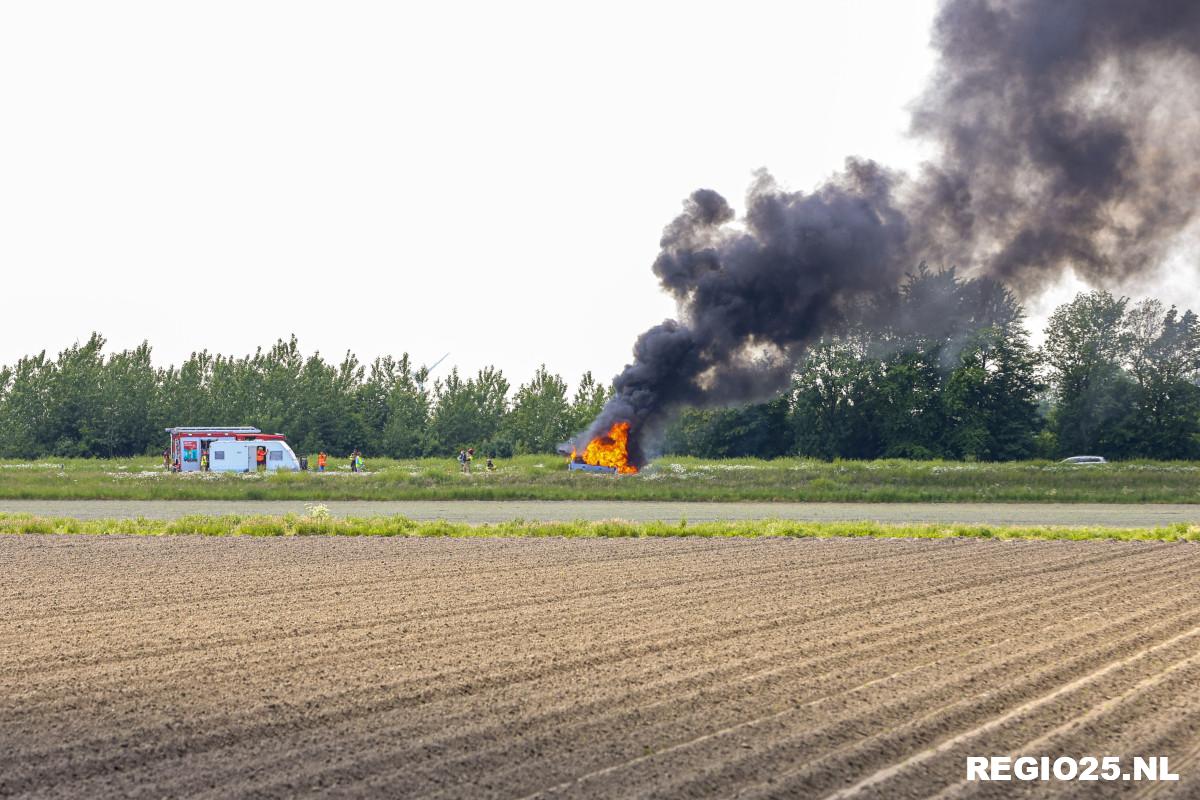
<point x="322" y="459"/>
<point x="260" y="458"/>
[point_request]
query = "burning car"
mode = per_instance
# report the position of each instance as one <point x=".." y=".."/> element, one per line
<point x="606" y="454"/>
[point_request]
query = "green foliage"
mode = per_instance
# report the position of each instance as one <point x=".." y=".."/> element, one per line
<point x="761" y="430"/>
<point x="589" y="399"/>
<point x="542" y="477"/>
<point x="469" y="413"/>
<point x="291" y="525"/>
<point x="991" y="398"/>
<point x="82" y="404"/>
<point x="406" y="409"/>
<point x="833" y="399"/>
<point x="945" y="370"/>
<point x="1124" y="378"/>
<point x="949" y="374"/>
<point x="540" y="417"/>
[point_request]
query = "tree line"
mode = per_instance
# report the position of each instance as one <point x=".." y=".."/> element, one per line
<point x="945" y="369"/>
<point x="951" y="373"/>
<point x="84" y="403"/>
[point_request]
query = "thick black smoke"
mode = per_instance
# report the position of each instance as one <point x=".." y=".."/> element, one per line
<point x="1068" y="137"/>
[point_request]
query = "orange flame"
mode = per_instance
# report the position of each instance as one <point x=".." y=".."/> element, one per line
<point x="610" y="450"/>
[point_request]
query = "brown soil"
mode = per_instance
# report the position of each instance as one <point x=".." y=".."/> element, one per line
<point x="207" y="667"/>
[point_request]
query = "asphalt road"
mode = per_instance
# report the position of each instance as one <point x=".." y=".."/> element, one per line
<point x="480" y="511"/>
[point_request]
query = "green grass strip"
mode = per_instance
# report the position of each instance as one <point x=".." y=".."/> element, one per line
<point x="322" y="525"/>
<point x="667" y="479"/>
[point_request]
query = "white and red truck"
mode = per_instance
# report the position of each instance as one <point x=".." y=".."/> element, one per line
<point x="234" y="449"/>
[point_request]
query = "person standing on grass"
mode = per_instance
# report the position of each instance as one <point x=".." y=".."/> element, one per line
<point x="462" y="460"/>
<point x="321" y="461"/>
<point x="470" y="458"/>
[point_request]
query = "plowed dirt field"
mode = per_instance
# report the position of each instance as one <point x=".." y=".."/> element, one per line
<point x="208" y="667"/>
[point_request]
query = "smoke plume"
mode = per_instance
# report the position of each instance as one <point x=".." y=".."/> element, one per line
<point x="1066" y="135"/>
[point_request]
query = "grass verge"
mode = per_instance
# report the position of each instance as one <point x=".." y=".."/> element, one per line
<point x="319" y="525"/>
<point x="667" y="479"/>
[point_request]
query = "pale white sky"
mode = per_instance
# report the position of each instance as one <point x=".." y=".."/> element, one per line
<point x="488" y="179"/>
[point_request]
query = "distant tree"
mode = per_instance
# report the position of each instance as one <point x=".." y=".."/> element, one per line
<point x="273" y="384"/>
<point x="452" y="421"/>
<point x="6" y="384"/>
<point x="906" y="406"/>
<point x="587" y="403"/>
<point x="74" y="406"/>
<point x="991" y="398"/>
<point x="408" y="406"/>
<point x="468" y="413"/>
<point x="129" y="419"/>
<point x="489" y="391"/>
<point x="1164" y="362"/>
<point x="944" y="369"/>
<point x="1086" y="341"/>
<point x="760" y="430"/>
<point x="937" y="313"/>
<point x="186" y="394"/>
<point x="355" y="430"/>
<point x="832" y="398"/>
<point x="333" y="408"/>
<point x="24" y="403"/>
<point x="370" y="399"/>
<point x="540" y="416"/>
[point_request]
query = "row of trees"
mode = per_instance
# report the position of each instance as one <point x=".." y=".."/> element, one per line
<point x="953" y="375"/>
<point x="947" y="371"/>
<point x="87" y="404"/>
